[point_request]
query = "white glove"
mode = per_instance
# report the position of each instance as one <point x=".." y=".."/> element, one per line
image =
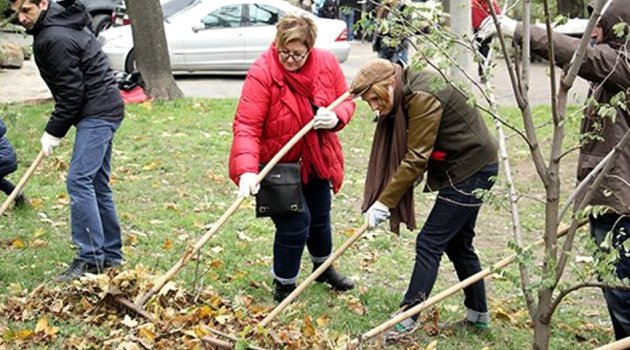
<point x="247" y="184"/>
<point x="488" y="29"/>
<point x="377" y="213"/>
<point x="325" y="119"/>
<point x="49" y="142"/>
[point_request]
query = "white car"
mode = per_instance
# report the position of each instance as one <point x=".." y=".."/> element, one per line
<point x="222" y="36"/>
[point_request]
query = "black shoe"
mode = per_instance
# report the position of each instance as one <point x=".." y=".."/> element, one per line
<point x="76" y="270"/>
<point x="282" y="290"/>
<point x="21" y="201"/>
<point x="332" y="277"/>
<point x="113" y="264"/>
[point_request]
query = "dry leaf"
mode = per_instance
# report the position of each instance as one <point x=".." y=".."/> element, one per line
<point x="42" y="324"/>
<point x="309" y="329"/>
<point x="18" y="244"/>
<point x="129" y="322"/>
<point x="153" y="165"/>
<point x="37" y="203"/>
<point x="168" y="244"/>
<point x="432" y="345"/>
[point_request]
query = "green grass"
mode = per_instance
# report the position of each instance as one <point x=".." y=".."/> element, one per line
<point x="170" y="181"/>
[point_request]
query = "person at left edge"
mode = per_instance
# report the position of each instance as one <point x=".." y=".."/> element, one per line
<point x="288" y="86"/>
<point x="77" y="72"/>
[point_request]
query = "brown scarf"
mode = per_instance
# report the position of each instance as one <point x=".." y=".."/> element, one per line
<point x="389" y="146"/>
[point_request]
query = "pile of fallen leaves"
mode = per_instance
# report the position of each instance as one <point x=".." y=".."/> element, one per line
<point x="67" y="315"/>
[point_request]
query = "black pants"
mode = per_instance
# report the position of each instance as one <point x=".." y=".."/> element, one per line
<point x="5" y="169"/>
<point x="450" y="229"/>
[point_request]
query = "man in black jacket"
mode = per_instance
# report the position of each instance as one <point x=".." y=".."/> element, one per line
<point x="78" y="75"/>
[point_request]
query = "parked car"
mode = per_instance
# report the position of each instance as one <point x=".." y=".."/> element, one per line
<point x="222" y="36"/>
<point x="169" y="8"/>
<point x="101" y="12"/>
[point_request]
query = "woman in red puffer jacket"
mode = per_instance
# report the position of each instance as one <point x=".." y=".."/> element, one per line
<point x="288" y="86"/>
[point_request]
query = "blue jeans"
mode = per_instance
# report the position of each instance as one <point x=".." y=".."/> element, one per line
<point x="450" y="228"/>
<point x="618" y="301"/>
<point x="95" y="228"/>
<point x="311" y="228"/>
<point x="347" y="15"/>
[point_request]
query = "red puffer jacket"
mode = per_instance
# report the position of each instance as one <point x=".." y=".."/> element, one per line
<point x="268" y="116"/>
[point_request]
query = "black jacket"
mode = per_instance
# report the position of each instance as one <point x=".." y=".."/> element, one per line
<point x="8" y="161"/>
<point x="75" y="69"/>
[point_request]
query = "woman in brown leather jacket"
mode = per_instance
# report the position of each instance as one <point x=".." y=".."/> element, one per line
<point x="423" y="129"/>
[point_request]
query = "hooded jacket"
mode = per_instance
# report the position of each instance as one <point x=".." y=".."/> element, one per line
<point x="75" y="69"/>
<point x="606" y="66"/>
<point x="8" y="160"/>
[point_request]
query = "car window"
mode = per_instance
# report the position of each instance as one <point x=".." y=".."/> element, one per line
<point x="172" y="7"/>
<point x="263" y="15"/>
<point x="224" y="17"/>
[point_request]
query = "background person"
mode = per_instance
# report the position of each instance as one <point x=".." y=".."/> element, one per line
<point x="8" y="165"/>
<point x="480" y="11"/>
<point x="606" y="67"/>
<point x="385" y="43"/>
<point x="288" y="86"/>
<point x="422" y="130"/>
<point x="70" y="61"/>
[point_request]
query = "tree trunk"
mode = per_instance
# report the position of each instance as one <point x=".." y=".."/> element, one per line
<point x="571" y="8"/>
<point x="461" y="24"/>
<point x="150" y="49"/>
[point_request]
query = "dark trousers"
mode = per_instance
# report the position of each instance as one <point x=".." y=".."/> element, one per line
<point x="615" y="229"/>
<point x="7" y="168"/>
<point x="450" y="229"/>
<point x="310" y="229"/>
<point x="484" y="50"/>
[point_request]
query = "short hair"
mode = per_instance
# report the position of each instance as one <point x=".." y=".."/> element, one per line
<point x="36" y="2"/>
<point x="293" y="27"/>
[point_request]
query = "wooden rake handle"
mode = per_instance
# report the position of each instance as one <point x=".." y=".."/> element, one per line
<point x="278" y="309"/>
<point x="23" y="180"/>
<point x="191" y="251"/>
<point x="446" y="293"/>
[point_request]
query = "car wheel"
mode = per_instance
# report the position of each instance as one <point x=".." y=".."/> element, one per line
<point x="130" y="62"/>
<point x="100" y="23"/>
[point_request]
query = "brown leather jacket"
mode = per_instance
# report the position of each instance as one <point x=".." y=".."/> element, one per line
<point x="442" y="124"/>
<point x="606" y="66"/>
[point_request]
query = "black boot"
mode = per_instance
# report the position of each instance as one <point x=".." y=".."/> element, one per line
<point x="21" y="201"/>
<point x="282" y="290"/>
<point x="332" y="277"/>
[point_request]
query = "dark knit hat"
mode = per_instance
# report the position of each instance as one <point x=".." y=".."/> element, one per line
<point x="370" y="73"/>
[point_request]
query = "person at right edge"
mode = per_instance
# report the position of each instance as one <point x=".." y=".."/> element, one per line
<point x="606" y="67"/>
<point x="423" y="129"/>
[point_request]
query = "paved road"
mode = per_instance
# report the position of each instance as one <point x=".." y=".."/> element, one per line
<point x="25" y="84"/>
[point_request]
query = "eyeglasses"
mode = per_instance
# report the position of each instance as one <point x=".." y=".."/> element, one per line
<point x="297" y="57"/>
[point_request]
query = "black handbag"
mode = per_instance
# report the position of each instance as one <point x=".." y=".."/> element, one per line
<point x="280" y="191"/>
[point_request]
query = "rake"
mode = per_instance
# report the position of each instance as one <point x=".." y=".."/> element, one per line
<point x="355" y="343"/>
<point x="278" y="309"/>
<point x="192" y="250"/>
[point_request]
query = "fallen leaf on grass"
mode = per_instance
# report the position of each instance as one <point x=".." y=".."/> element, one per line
<point x="38" y="243"/>
<point x="18" y="244"/>
<point x="37" y="203"/>
<point x="129" y="322"/>
<point x="168" y="244"/>
<point x="153" y="165"/>
<point x="432" y="345"/>
<point x="309" y="329"/>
